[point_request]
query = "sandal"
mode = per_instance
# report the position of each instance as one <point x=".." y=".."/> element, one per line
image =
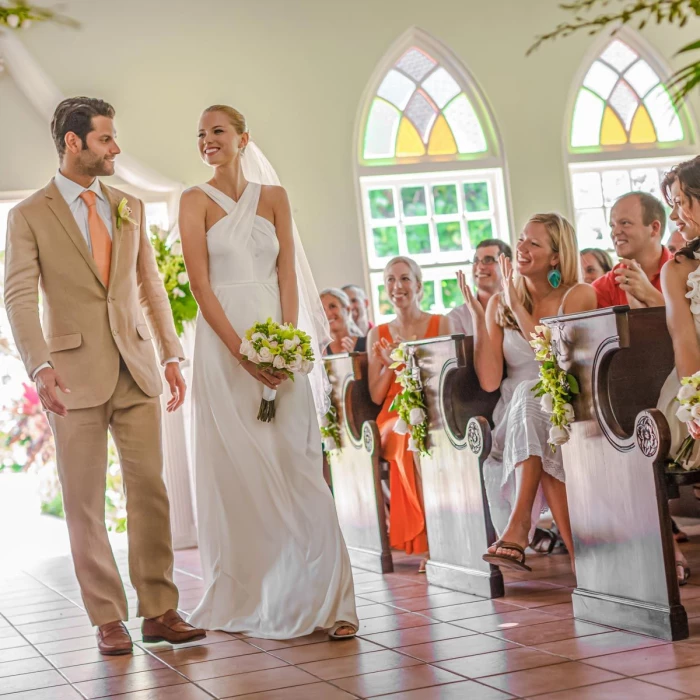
<point x="543" y="541"/>
<point x="422" y="565"/>
<point x="335" y="637"/>
<point x="681" y="566"/>
<point x="505" y="560"/>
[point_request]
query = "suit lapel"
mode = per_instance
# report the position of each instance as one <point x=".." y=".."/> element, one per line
<point x="63" y="213"/>
<point x="116" y="231"/>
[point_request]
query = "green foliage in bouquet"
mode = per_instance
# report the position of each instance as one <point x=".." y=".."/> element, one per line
<point x="171" y="266"/>
<point x="330" y="431"/>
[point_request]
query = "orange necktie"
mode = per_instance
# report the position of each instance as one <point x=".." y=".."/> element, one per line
<point x="99" y="236"/>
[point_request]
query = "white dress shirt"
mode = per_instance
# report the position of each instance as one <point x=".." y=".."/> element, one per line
<point x="71" y="191"/>
<point x="461" y="320"/>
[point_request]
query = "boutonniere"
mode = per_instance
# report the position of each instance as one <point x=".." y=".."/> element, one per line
<point x="124" y="213"/>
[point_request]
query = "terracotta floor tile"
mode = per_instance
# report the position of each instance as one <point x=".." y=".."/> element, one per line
<point x="36" y="608"/>
<point x="376" y="610"/>
<point x="686" y="680"/>
<point x="13" y="641"/>
<point x="213" y="637"/>
<point x="18" y="653"/>
<point x="599" y="644"/>
<point x="44" y="636"/>
<point x="358" y="664"/>
<point x="456" y="648"/>
<point x="550" y="632"/>
<point x="30" y="681"/>
<point x="313" y="691"/>
<point x="15" y="668"/>
<point x="230" y="686"/>
<point x="64" y="645"/>
<point x="325" y="650"/>
<point x="438" y="600"/>
<point x="468" y="610"/>
<point x="114" y="685"/>
<point x="58" y="692"/>
<point x="650" y="660"/>
<point x="405" y="593"/>
<point x="466" y="690"/>
<point x="84" y="656"/>
<point x="118" y="666"/>
<point x="46" y="616"/>
<point x="54" y="624"/>
<point x="499" y="662"/>
<point x="208" y="652"/>
<point x="418" y="635"/>
<point x="171" y="692"/>
<point x="530" y="586"/>
<point x="272" y="644"/>
<point x="230" y="667"/>
<point x="560" y="610"/>
<point x="509" y="620"/>
<point x="535" y="600"/>
<point x="616" y="690"/>
<point x="394" y="622"/>
<point x="396" y="680"/>
<point x="547" y="679"/>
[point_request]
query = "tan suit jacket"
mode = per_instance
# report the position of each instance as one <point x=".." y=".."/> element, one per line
<point x="86" y="326"/>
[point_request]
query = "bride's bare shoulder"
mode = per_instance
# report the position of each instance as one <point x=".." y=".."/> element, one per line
<point x="273" y="193"/>
<point x="193" y="198"/>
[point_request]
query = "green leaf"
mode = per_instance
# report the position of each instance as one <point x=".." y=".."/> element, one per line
<point x="573" y="383"/>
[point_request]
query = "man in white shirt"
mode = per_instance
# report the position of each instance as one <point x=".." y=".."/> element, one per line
<point x="95" y="368"/>
<point x="359" y="305"/>
<point x="487" y="277"/>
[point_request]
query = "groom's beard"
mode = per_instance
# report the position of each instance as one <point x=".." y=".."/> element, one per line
<point x="96" y="166"/>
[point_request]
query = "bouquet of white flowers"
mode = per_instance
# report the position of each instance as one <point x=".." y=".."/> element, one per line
<point x="281" y="348"/>
<point x="689" y="398"/>
<point x="409" y="403"/>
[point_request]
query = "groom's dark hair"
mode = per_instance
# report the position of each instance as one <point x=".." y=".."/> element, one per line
<point x="75" y="114"/>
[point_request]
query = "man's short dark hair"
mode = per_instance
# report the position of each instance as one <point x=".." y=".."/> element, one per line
<point x="75" y="114"/>
<point x="503" y="247"/>
<point x="652" y="209"/>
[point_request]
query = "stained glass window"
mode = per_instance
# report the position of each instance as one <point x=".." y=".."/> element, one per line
<point x="420" y="109"/>
<point x="623" y="101"/>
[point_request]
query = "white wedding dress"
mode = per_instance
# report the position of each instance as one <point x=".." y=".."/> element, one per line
<point x="273" y="558"/>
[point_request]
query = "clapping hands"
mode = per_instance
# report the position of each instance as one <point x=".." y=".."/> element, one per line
<point x="475" y="308"/>
<point x="383" y="349"/>
<point x="507" y="282"/>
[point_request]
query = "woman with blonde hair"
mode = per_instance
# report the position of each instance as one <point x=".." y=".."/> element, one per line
<point x="522" y="473"/>
<point x="346" y="336"/>
<point x="403" y="280"/>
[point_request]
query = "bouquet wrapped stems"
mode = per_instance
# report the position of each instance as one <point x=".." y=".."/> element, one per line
<point x="267" y="410"/>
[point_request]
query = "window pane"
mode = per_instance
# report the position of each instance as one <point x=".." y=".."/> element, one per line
<point x="479" y="230"/>
<point x="418" y="239"/>
<point x="588" y="191"/>
<point x="476" y="196"/>
<point x="646" y="180"/>
<point x="445" y="199"/>
<point x="449" y="236"/>
<point x="413" y="200"/>
<point x="381" y="204"/>
<point x="396" y="88"/>
<point x="386" y="241"/>
<point x="441" y="86"/>
<point x="380" y="133"/>
<point x="615" y="184"/>
<point x="664" y="115"/>
<point x="588" y="116"/>
<point x="619" y="55"/>
<point x="592" y="229"/>
<point x="642" y="77"/>
<point x="601" y="79"/>
<point x="416" y="63"/>
<point x="451" y="296"/>
<point x="428" y="301"/>
<point x="465" y="125"/>
<point x="385" y="306"/>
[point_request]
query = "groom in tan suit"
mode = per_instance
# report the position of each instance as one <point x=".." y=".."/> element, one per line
<point x="95" y="369"/>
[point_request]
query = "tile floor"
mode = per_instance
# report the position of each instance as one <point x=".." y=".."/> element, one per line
<point x="416" y="642"/>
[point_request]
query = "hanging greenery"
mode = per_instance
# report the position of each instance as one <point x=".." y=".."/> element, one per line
<point x="594" y="16"/>
<point x="16" y="14"/>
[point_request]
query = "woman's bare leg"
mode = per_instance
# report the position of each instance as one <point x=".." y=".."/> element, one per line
<point x="555" y="493"/>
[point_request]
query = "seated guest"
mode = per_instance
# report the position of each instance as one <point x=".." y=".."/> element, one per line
<point x="487" y="277"/>
<point x="522" y="474"/>
<point x="595" y="263"/>
<point x="347" y="337"/>
<point x="680" y="280"/>
<point x="359" y="303"/>
<point x="675" y="242"/>
<point x="637" y="222"/>
<point x="403" y="281"/>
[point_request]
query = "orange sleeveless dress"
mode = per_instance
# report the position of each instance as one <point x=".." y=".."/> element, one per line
<point x="406" y="517"/>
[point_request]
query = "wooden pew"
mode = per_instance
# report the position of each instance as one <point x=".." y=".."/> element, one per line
<point x="456" y="510"/>
<point x="616" y="477"/>
<point x="355" y="467"/>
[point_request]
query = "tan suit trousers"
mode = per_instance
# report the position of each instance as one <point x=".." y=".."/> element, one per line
<point x="134" y="419"/>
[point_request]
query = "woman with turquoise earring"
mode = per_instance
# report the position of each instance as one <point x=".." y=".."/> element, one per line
<point x="523" y="476"/>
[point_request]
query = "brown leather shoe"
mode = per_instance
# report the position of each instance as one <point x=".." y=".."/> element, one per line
<point x="170" y="627"/>
<point x="113" y="639"/>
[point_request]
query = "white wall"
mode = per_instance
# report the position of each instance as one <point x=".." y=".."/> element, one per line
<point x="297" y="69"/>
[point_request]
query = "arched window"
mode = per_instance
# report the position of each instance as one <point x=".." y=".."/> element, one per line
<point x="623" y="135"/>
<point x="430" y="170"/>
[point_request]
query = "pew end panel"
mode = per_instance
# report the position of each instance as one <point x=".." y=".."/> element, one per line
<point x="615" y="470"/>
<point x="355" y="467"/>
<point x="459" y="440"/>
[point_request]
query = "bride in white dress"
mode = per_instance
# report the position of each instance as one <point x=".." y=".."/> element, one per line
<point x="274" y="561"/>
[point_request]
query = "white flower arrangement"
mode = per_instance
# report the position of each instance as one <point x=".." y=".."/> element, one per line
<point x="688" y="397"/>
<point x="330" y="431"/>
<point x="282" y="348"/>
<point x="409" y="402"/>
<point x="556" y="388"/>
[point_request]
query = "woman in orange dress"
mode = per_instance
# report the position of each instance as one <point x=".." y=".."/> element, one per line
<point x="403" y="282"/>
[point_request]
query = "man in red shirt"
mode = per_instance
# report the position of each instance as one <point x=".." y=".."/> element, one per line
<point x="637" y="222"/>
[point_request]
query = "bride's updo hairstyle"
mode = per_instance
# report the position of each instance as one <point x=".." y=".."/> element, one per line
<point x="688" y="176"/>
<point x="233" y="115"/>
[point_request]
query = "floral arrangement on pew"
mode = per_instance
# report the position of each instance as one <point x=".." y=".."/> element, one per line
<point x="171" y="266"/>
<point x="21" y="15"/>
<point x="409" y="402"/>
<point x="330" y="431"/>
<point x="556" y="388"/>
<point x="280" y="348"/>
<point x="689" y="398"/>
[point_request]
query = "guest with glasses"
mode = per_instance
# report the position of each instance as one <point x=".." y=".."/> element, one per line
<point x="486" y="274"/>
